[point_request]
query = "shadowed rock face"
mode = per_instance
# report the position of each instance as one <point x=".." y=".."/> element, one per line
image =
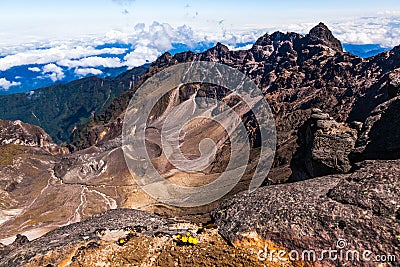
<point x="381" y="133"/>
<point x="321" y="33"/>
<point x="393" y="83"/>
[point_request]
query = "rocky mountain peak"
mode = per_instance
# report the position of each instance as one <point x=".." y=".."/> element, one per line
<point x="218" y="50"/>
<point x="321" y="33"/>
<point x="163" y="60"/>
<point x="23" y="134"/>
<point x="221" y="47"/>
<point x="276" y="37"/>
<point x="19" y="133"/>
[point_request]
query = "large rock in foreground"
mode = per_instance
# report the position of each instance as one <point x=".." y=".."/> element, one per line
<point x="126" y="237"/>
<point x="361" y="208"/>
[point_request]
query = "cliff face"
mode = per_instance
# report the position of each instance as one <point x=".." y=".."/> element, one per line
<point x="354" y="208"/>
<point x="324" y="147"/>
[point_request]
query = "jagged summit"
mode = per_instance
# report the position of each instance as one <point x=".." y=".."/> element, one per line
<point x="163" y="59"/>
<point x="275" y="47"/>
<point x="270" y="39"/>
<point x="318" y="35"/>
<point x="219" y="47"/>
<point x="322" y="34"/>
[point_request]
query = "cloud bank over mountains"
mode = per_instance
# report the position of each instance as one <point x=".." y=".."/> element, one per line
<point x="57" y="61"/>
<point x="5" y="84"/>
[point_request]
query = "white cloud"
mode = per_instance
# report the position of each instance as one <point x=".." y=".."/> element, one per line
<point x="389" y="12"/>
<point x="115" y="37"/>
<point x="5" y="84"/>
<point x="54" y="72"/>
<point x="381" y="29"/>
<point x="109" y="62"/>
<point x="151" y="40"/>
<point x="141" y="55"/>
<point x="148" y="43"/>
<point x="54" y="54"/>
<point x="34" y="69"/>
<point x="87" y="71"/>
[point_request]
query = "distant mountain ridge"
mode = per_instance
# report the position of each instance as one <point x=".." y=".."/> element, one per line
<point x="365" y="50"/>
<point x="296" y="72"/>
<point x="25" y="78"/>
<point x="60" y="108"/>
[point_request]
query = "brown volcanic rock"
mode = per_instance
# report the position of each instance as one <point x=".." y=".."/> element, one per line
<point x="361" y="208"/>
<point x="148" y="241"/>
<point x="322" y="33"/>
<point x="393" y="83"/>
<point x="27" y="156"/>
<point x="62" y="239"/>
<point x="374" y="186"/>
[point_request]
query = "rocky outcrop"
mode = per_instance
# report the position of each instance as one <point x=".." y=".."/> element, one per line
<point x="393" y="83"/>
<point x="128" y="238"/>
<point x="61" y="240"/>
<point x="381" y="133"/>
<point x="324" y="147"/>
<point x="19" y="133"/>
<point x="360" y="208"/>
